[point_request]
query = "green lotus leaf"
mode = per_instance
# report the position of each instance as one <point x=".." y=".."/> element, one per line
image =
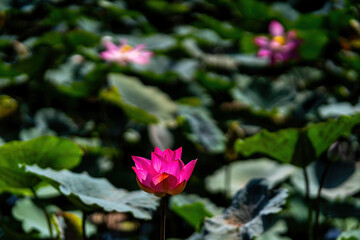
<point x="241" y="172"/>
<point x="144" y="104"/>
<point x="193" y="208"/>
<point x="341" y="181"/>
<point x="32" y="217"/>
<point x="91" y="194"/>
<point x="297" y="146"/>
<point x="204" y="130"/>
<point x="349" y="235"/>
<point x="45" y="151"/>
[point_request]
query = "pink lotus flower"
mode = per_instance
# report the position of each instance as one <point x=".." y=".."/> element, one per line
<point x="125" y="53"/>
<point x="164" y="174"/>
<point x="280" y="47"/>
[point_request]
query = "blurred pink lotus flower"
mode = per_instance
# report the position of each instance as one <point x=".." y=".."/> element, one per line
<point x="125" y="53"/>
<point x="280" y="47"/>
<point x="165" y="174"/>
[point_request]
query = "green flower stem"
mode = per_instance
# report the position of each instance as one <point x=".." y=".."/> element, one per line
<point x="308" y="202"/>
<point x="84" y="216"/>
<point x="47" y="216"/>
<point x="163" y="206"/>
<point x="317" y="207"/>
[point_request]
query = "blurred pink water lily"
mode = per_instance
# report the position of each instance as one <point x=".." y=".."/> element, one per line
<point x="125" y="53"/>
<point x="280" y="47"/>
<point x="165" y="174"/>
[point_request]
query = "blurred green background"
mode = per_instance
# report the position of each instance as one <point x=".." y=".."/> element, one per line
<point x="204" y="89"/>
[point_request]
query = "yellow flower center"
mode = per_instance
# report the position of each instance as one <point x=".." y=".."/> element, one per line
<point x="279" y="39"/>
<point x="125" y="48"/>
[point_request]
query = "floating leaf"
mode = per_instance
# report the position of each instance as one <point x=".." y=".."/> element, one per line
<point x="144" y="104"/>
<point x="342" y="180"/>
<point x="49" y="121"/>
<point x="193" y="208"/>
<point x="91" y="194"/>
<point x="215" y="81"/>
<point x="279" y="145"/>
<point x="322" y="135"/>
<point x="158" y="67"/>
<point x="69" y="77"/>
<point x="203" y="129"/>
<point x="158" y="42"/>
<point x="32" y="217"/>
<point x="46" y="151"/>
<point x="297" y="146"/>
<point x="246" y="218"/>
<point x="275" y="232"/>
<point x="241" y="172"/>
<point x="186" y="69"/>
<point x="349" y="235"/>
<point x="264" y="96"/>
<point x="9" y="76"/>
<point x="160" y="136"/>
<point x="338" y="109"/>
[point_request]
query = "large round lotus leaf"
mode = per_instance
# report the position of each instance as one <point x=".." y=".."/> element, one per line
<point x="349" y="235"/>
<point x="46" y="151"/>
<point x="91" y="194"/>
<point x="144" y="104"/>
<point x="193" y="209"/>
<point x="342" y="180"/>
<point x="204" y="130"/>
<point x="246" y="217"/>
<point x="241" y="172"/>
<point x="32" y="217"/>
<point x="297" y="146"/>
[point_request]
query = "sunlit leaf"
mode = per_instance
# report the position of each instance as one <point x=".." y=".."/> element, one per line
<point x="241" y="172"/>
<point x="49" y="121"/>
<point x="69" y="77"/>
<point x="153" y="42"/>
<point x="341" y="181"/>
<point x="9" y="76"/>
<point x="160" y="136"/>
<point x="349" y="235"/>
<point x="264" y="96"/>
<point x="193" y="208"/>
<point x="91" y="194"/>
<point x="46" y="151"/>
<point x="204" y="130"/>
<point x="279" y="145"/>
<point x="247" y="215"/>
<point x="275" y="232"/>
<point x="322" y="135"/>
<point x="297" y="146"/>
<point x="32" y="216"/>
<point x="144" y="104"/>
<point x="186" y="69"/>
